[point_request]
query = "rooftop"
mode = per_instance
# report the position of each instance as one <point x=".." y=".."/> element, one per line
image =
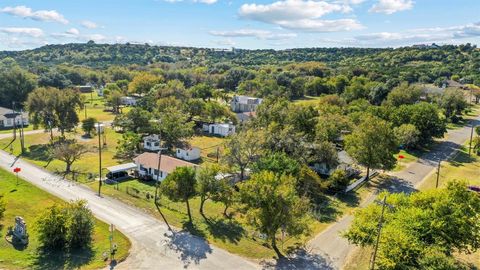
<point x="168" y="164"/>
<point x="247" y="100"/>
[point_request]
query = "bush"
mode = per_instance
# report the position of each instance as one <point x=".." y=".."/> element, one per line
<point x="52" y="228"/>
<point x="338" y="181"/>
<point x="2" y="206"/>
<point x="80" y="225"/>
<point x="66" y="226"/>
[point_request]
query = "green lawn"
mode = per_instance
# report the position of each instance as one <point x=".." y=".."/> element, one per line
<point x="36" y="145"/>
<point x="96" y="108"/>
<point x="28" y="201"/>
<point x="6" y="131"/>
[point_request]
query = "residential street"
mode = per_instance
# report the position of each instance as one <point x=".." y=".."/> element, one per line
<point x="153" y="247"/>
<point x="335" y="249"/>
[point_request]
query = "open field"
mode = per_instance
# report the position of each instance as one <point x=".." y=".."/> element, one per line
<point x="28" y="201"/>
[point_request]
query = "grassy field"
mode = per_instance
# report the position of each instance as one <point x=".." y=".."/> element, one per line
<point x="36" y="152"/>
<point x="95" y="107"/>
<point x="28" y="201"/>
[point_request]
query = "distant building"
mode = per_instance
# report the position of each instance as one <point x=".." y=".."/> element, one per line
<point x="151" y="143"/>
<point x="245" y="104"/>
<point x="188" y="153"/>
<point x="128" y="101"/>
<point x="85" y="88"/>
<point x="147" y="165"/>
<point x="9" y="118"/>
<point x="220" y="129"/>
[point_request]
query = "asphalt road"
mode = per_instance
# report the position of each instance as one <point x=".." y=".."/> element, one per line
<point x="334" y="250"/>
<point x="153" y="246"/>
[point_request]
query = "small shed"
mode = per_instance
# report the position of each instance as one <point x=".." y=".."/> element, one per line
<point x="188" y="153"/>
<point x="119" y="172"/>
<point x="151" y="143"/>
<point x="221" y="129"/>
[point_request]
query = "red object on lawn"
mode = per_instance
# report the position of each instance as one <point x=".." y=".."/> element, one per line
<point x="17" y="170"/>
<point x="401" y="156"/>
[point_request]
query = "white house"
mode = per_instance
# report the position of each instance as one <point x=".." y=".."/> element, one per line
<point x="147" y="165"/>
<point x="221" y="129"/>
<point x="151" y="143"/>
<point x="128" y="101"/>
<point x="189" y="154"/>
<point x="8" y="116"/>
<point x="245" y="104"/>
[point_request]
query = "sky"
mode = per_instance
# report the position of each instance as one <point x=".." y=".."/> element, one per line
<point x="248" y="24"/>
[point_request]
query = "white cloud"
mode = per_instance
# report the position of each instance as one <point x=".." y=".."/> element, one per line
<point x="73" y="31"/>
<point x="392" y="6"/>
<point x="89" y="24"/>
<point x="225" y="42"/>
<point x="39" y="15"/>
<point x="208" y="2"/>
<point x="437" y="34"/>
<point x="32" y="32"/>
<point x="300" y="15"/>
<point x="256" y="33"/>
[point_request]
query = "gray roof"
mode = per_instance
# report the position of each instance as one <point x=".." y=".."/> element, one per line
<point x="8" y="113"/>
<point x="247" y="100"/>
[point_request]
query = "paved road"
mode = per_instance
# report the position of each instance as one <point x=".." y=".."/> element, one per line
<point x="334" y="249"/>
<point x="153" y="246"/>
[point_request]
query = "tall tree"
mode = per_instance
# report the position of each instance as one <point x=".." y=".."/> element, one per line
<point x="207" y="185"/>
<point x="271" y="204"/>
<point x="51" y="107"/>
<point x="421" y="230"/>
<point x="69" y="152"/>
<point x="180" y="186"/>
<point x="15" y="85"/>
<point x="175" y="127"/>
<point x="242" y="149"/>
<point x="143" y="82"/>
<point x="372" y="144"/>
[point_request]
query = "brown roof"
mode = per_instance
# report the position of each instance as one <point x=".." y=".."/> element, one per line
<point x="168" y="164"/>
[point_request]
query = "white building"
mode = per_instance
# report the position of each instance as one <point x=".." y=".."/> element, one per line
<point x="221" y="129"/>
<point x="147" y="165"/>
<point x="245" y="104"/>
<point x="8" y="117"/>
<point x="151" y="143"/>
<point x="188" y="154"/>
<point x="128" y="101"/>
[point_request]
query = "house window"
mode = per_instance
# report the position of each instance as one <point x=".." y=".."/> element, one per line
<point x="187" y="154"/>
<point x="178" y="151"/>
<point x="157" y="144"/>
<point x="150" y="170"/>
<point x="155" y="172"/>
<point x="148" y="143"/>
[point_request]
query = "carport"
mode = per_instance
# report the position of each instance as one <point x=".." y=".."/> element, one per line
<point x="120" y="171"/>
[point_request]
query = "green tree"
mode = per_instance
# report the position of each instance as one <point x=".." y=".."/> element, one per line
<point x="242" y="149"/>
<point x="51" y="107"/>
<point x="453" y="102"/>
<point x="422" y="230"/>
<point x="407" y="135"/>
<point x="143" y="82"/>
<point x="3" y="206"/>
<point x="129" y="144"/>
<point x="202" y="90"/>
<point x="278" y="163"/>
<point x="207" y="185"/>
<point x="175" y="127"/>
<point x="372" y="144"/>
<point x="404" y="94"/>
<point x="338" y="181"/>
<point x="52" y="228"/>
<point x="15" y="85"/>
<point x="80" y="225"/>
<point x="225" y="194"/>
<point x="180" y="186"/>
<point x="271" y="204"/>
<point x="88" y="125"/>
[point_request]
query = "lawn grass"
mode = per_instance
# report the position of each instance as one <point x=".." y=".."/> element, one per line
<point x="208" y="147"/>
<point x="307" y="100"/>
<point x="6" y="131"/>
<point x="36" y="152"/>
<point x="29" y="201"/>
<point x="96" y="108"/>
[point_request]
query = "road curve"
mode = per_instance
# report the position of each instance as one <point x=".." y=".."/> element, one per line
<point x="333" y="248"/>
<point x="153" y="246"/>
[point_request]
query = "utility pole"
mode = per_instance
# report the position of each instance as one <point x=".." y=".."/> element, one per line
<point x="85" y="109"/>
<point x="217" y="154"/>
<point x="471" y="139"/>
<point x="380" y="225"/>
<point x="99" y="160"/>
<point x="22" y="134"/>
<point x="14" y="121"/>
<point x="438" y="172"/>
<point x="157" y="185"/>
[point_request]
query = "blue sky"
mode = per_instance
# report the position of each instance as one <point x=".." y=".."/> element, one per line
<point x="252" y="24"/>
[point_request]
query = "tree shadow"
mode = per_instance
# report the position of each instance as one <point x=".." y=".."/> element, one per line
<point x="38" y="152"/>
<point x="392" y="184"/>
<point x="225" y="230"/>
<point x="461" y="159"/>
<point x="300" y="260"/>
<point x="191" y="249"/>
<point x="62" y="259"/>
